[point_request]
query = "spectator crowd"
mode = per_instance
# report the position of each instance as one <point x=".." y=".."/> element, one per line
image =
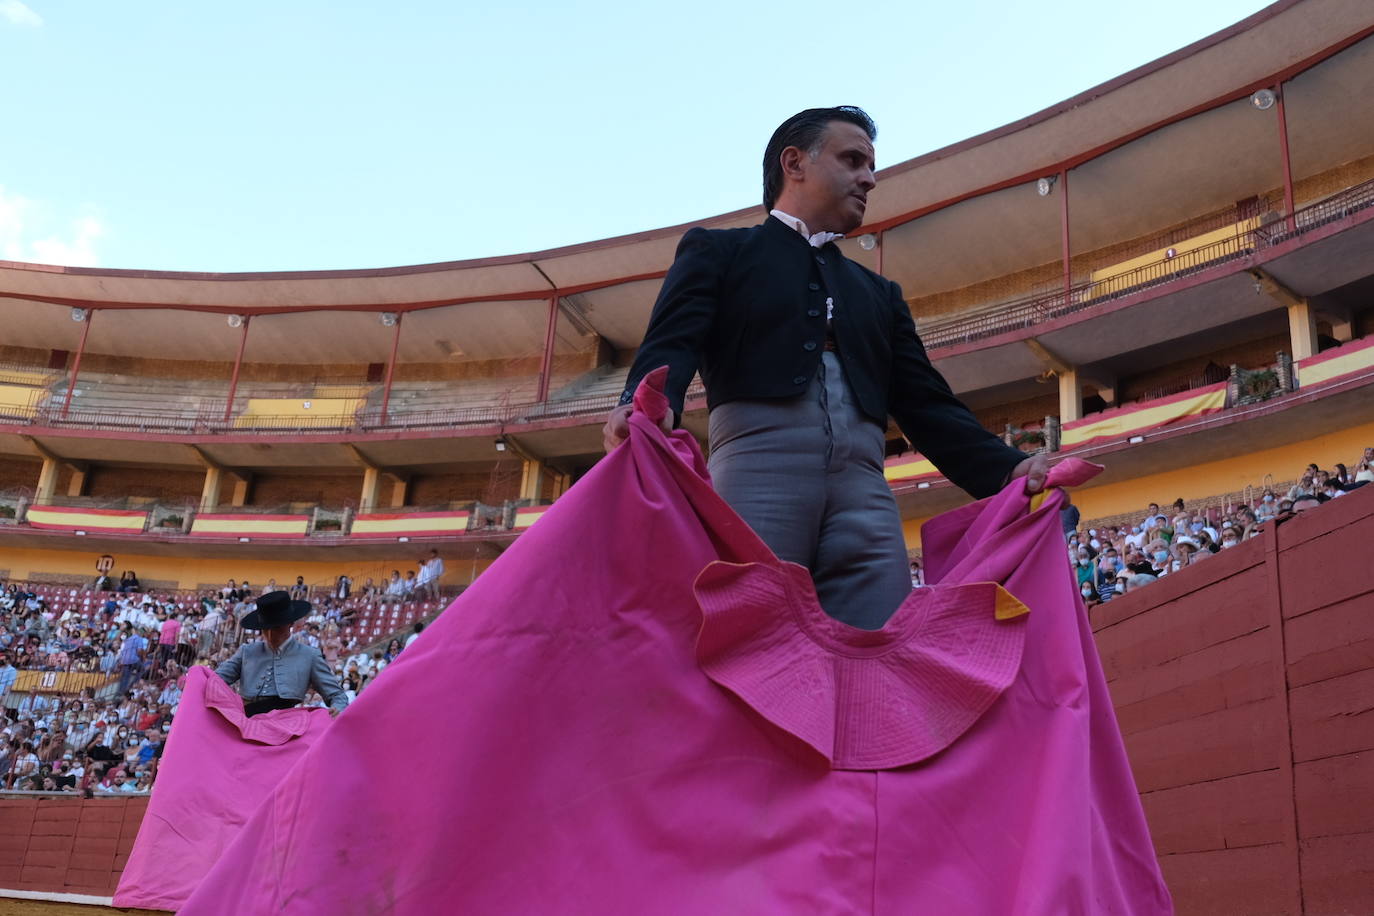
<point x="1110" y="560"/>
<point x="137" y="645"/>
<point x="109" y="738"/>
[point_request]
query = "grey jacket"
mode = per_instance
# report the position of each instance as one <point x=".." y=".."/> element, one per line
<point x="260" y="672"/>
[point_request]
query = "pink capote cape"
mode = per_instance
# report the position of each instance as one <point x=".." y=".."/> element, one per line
<point x="606" y="722"/>
<point x="216" y="769"/>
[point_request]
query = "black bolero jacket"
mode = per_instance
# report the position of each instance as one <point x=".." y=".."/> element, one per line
<point x="747" y="308"/>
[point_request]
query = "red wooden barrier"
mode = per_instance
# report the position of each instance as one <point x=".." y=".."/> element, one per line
<point x="66" y="845"/>
<point x="1245" y="689"/>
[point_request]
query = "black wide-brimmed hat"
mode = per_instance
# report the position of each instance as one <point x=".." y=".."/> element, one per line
<point x="275" y="609"/>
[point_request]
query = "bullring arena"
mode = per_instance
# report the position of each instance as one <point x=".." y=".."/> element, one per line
<point x="1173" y="276"/>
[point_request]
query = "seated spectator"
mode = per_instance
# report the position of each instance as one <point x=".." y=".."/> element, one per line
<point x="395" y="588"/>
<point x="1139" y="581"/>
<point x="1185" y="550"/>
<point x="1303" y="487"/>
<point x="1083" y="568"/>
<point x="1158" y="554"/>
<point x="128" y="582"/>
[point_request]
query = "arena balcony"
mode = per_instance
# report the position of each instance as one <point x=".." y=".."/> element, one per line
<point x="1094" y="261"/>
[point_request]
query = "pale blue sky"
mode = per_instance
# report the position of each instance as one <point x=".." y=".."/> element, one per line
<point x="302" y="134"/>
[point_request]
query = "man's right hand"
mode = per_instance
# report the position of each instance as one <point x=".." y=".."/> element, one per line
<point x="617" y="428"/>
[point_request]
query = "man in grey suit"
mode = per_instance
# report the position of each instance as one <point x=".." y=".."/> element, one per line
<point x="805" y="354"/>
<point x="275" y="672"/>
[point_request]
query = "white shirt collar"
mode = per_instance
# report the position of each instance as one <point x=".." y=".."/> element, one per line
<point x="817" y="239"/>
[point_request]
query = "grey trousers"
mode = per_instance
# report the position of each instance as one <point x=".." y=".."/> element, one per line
<point x="807" y="475"/>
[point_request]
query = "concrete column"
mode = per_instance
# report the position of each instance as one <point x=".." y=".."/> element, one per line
<point x="531" y="478"/>
<point x="1302" y="330"/>
<point x="1343" y="328"/>
<point x="242" y="483"/>
<point x="399" y="491"/>
<point x="209" y="491"/>
<point x="372" y="480"/>
<point x="77" y="485"/>
<point x="47" y="481"/>
<point x="1070" y="396"/>
<point x="561" y="483"/>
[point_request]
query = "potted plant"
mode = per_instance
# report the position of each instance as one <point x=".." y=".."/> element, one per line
<point x="1028" y="439"/>
<point x="1260" y="385"/>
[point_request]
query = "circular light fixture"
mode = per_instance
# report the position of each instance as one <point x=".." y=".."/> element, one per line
<point x="868" y="241"/>
<point x="1263" y="99"/>
<point x="388" y="319"/>
<point x="1045" y="185"/>
<point x="1170" y="254"/>
<point x="235" y="321"/>
<point x="79" y="314"/>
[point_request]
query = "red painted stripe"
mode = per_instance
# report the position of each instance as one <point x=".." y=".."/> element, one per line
<point x="234" y="535"/>
<point x="392" y="516"/>
<point x="410" y="533"/>
<point x="254" y="518"/>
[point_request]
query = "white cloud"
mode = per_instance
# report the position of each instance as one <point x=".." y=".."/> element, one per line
<point x="19" y="14"/>
<point x="27" y="234"/>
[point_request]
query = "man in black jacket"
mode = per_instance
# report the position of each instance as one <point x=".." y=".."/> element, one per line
<point x="804" y="355"/>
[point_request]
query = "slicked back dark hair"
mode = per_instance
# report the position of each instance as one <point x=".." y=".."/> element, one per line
<point x="805" y="130"/>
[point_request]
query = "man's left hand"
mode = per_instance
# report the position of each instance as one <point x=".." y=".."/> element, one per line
<point x="1034" y="469"/>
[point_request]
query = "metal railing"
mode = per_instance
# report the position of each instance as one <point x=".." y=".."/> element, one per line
<point x="1030" y="310"/>
<point x="207" y="418"/>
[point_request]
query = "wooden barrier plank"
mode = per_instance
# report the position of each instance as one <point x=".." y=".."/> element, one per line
<point x="1335" y="795"/>
<point x="1253" y="881"/>
<point x="1334" y="716"/>
<point x="1215" y="573"/>
<point x="1334" y="640"/>
<point x="1181" y="627"/>
<point x="1338" y="874"/>
<point x="1315" y="550"/>
<point x="1229" y="742"/>
<point x="1221" y="814"/>
<point x="1228" y="674"/>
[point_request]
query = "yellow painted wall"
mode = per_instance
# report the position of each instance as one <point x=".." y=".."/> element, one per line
<point x="1230" y="475"/>
<point x="192" y="571"/>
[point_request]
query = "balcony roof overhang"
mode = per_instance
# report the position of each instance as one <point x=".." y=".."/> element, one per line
<point x="1125" y="139"/>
